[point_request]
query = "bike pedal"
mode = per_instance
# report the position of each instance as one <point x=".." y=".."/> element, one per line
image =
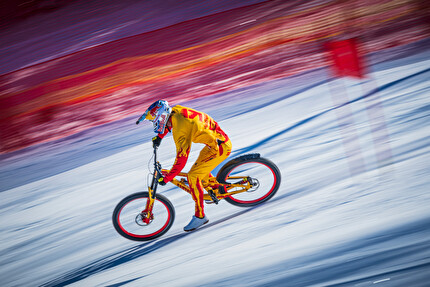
<point x="213" y="196"/>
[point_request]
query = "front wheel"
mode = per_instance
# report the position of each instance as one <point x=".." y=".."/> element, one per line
<point x="130" y="219"/>
<point x="263" y="174"/>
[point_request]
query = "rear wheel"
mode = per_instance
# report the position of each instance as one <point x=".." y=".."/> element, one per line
<point x="263" y="175"/>
<point x="131" y="221"/>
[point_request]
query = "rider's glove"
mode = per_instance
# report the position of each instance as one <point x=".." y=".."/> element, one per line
<point x="156" y="141"/>
<point x="161" y="181"/>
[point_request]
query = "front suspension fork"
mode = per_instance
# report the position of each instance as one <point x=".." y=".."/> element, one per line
<point x="147" y="214"/>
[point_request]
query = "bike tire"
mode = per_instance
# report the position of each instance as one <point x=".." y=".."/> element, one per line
<point x="243" y="166"/>
<point x="134" y="204"/>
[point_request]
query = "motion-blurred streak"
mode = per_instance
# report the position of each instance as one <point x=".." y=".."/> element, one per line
<point x="192" y="59"/>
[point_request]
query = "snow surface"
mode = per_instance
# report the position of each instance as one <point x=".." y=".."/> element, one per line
<point x="352" y="209"/>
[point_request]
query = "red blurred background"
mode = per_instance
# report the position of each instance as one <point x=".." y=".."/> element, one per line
<point x="87" y="71"/>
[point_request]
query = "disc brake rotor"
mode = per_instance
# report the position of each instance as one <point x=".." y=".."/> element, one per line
<point x="142" y="217"/>
<point x="255" y="184"/>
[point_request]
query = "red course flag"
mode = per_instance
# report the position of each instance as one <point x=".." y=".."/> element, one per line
<point x="345" y="58"/>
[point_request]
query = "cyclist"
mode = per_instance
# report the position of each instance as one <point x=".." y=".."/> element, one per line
<point x="189" y="126"/>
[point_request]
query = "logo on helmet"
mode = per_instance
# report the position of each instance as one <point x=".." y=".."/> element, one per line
<point x="152" y="113"/>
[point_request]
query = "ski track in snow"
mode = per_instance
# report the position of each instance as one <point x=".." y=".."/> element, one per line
<point x="341" y="217"/>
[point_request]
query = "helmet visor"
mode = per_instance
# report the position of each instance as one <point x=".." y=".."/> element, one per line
<point x="150" y="113"/>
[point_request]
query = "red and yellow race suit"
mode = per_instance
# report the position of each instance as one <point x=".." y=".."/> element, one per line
<point x="190" y="126"/>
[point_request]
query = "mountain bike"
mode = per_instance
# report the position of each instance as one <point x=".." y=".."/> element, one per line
<point x="244" y="181"/>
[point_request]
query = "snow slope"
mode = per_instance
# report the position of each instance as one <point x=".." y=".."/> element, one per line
<point x="353" y="207"/>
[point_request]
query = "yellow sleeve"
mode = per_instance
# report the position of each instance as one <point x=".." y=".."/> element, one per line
<point x="182" y="138"/>
<point x="182" y="135"/>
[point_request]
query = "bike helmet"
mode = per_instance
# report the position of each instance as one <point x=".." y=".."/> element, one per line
<point x="158" y="113"/>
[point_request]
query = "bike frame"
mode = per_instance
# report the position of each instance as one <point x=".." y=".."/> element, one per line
<point x="207" y="185"/>
<point x="243" y="185"/>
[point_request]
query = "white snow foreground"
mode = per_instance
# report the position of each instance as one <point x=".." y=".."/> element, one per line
<point x="331" y="222"/>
